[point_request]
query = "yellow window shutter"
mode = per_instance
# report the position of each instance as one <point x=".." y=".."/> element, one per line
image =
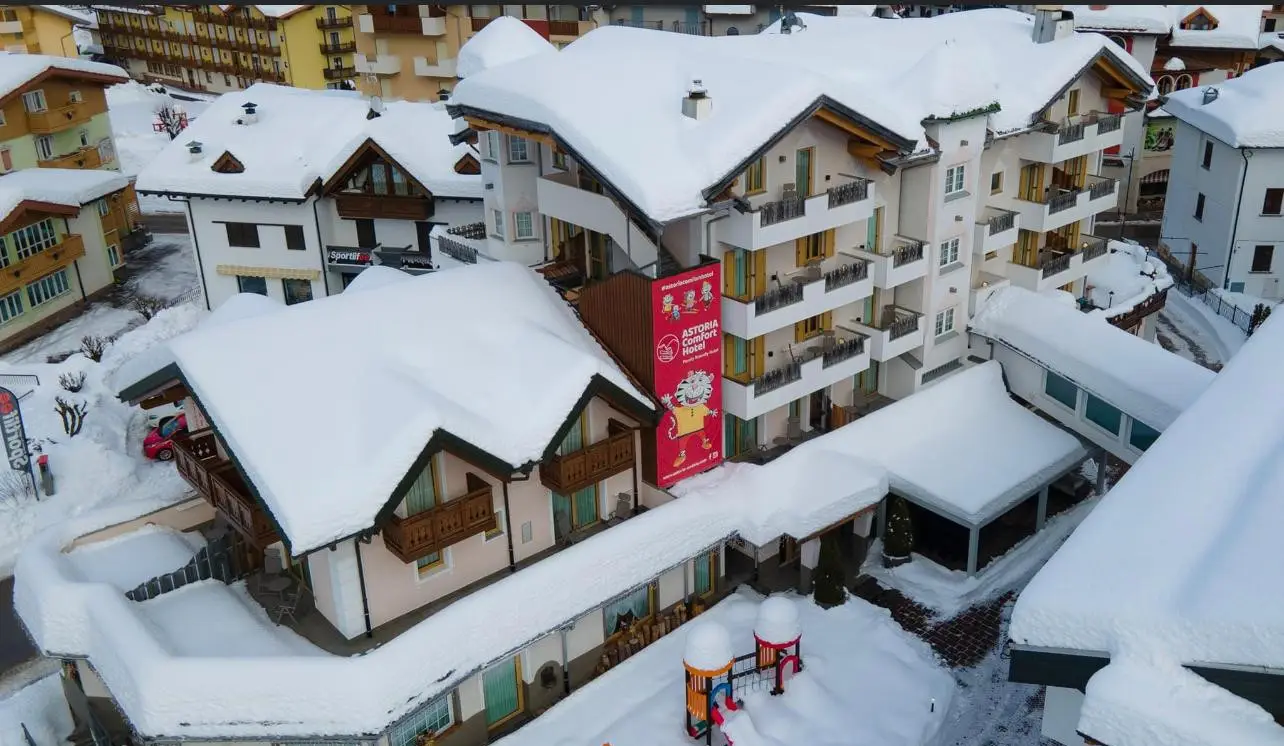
<point x="760" y="272"/>
<point x="829" y="242"/>
<point x="759" y="352"/>
<point x="827" y="320"/>
<point x="800" y="252"/>
<point x="800" y="331"/>
<point x="729" y="272"/>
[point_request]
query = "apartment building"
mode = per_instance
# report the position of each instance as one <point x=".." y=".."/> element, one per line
<point x="64" y="235"/>
<point x="291" y="193"/>
<point x="53" y="113"/>
<point x="41" y="29"/>
<point x="853" y="239"/>
<point x="1222" y="219"/>
<point x="222" y="48"/>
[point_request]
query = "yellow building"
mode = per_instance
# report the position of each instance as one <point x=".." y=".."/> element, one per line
<point x="64" y="235"/>
<point x="409" y="51"/>
<point x="40" y="29"/>
<point x="224" y="47"/>
<point x="53" y="113"/>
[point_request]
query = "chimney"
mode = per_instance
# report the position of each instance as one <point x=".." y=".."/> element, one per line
<point x="1052" y="22"/>
<point x="376" y="108"/>
<point x="194" y="149"/>
<point x="251" y="113"/>
<point x="697" y="104"/>
<point x="1210" y="95"/>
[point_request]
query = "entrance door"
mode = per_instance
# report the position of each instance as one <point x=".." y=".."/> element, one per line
<point x="818" y="410"/>
<point x="422" y="229"/>
<point x="788" y="550"/>
<point x="366" y="234"/>
<point x="574" y="512"/>
<point x="803" y="172"/>
<point x="502" y="691"/>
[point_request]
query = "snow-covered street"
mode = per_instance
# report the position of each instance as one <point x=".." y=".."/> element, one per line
<point x="132" y="107"/>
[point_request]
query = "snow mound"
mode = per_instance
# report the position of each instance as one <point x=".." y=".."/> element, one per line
<point x="708" y="647"/>
<point x="1174" y="64"/>
<point x="376" y="277"/>
<point x="777" y="622"/>
<point x="502" y="41"/>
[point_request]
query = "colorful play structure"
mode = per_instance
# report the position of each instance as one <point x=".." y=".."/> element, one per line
<point x="715" y="675"/>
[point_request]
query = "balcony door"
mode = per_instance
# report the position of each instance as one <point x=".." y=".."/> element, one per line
<point x="502" y="691"/>
<point x="574" y="512"/>
<point x="1031" y="186"/>
<point x="803" y="170"/>
<point x="744" y="274"/>
<point x="874" y="230"/>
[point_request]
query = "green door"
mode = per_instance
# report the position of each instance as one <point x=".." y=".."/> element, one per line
<point x="574" y="512"/>
<point x="585" y="503"/>
<point x="704" y="574"/>
<point x="501" y="691"/>
<point x="802" y="174"/>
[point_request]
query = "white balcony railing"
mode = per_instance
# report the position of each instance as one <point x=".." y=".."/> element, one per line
<point x="809" y="292"/>
<point x="1076" y="136"/>
<point x="1061" y="207"/>
<point x="814" y="365"/>
<point x="897" y="331"/>
<point x="791" y="216"/>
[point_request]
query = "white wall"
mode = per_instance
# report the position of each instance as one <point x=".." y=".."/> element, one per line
<point x="1061" y="708"/>
<point x="1220" y="185"/>
<point x="1265" y="170"/>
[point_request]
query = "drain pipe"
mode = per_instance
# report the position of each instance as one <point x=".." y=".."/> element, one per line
<point x="508" y="532"/>
<point x="361" y="579"/>
<point x="566" y="663"/>
<point x="1245" y="154"/>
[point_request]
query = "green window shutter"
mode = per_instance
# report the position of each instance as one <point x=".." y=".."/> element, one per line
<point x="499" y="689"/>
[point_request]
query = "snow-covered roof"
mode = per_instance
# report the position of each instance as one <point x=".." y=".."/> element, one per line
<point x="729" y="10"/>
<point x="1135" y="19"/>
<point x="1140" y="378"/>
<point x="1174" y="64"/>
<point x="487" y="353"/>
<point x="74" y="15"/>
<point x="16" y="70"/>
<point x="503" y="40"/>
<point x="1123" y="278"/>
<point x="1178" y="563"/>
<point x="284" y="153"/>
<point x="1238" y="27"/>
<point x="636" y="136"/>
<point x="272" y="11"/>
<point x="59" y="186"/>
<point x="986" y="455"/>
<point x="1247" y="113"/>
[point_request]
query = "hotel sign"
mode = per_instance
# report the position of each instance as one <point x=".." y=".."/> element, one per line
<point x="349" y="257"/>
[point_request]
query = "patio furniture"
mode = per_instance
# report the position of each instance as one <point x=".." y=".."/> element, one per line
<point x="286" y="608"/>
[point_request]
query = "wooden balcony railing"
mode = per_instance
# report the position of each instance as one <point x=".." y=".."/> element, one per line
<point x="36" y="266"/>
<point x="217" y="480"/>
<point x="336" y="22"/>
<point x="56" y="120"/>
<point x="339" y="73"/>
<point x="343" y="47"/>
<point x="589" y="465"/>
<point x="397" y="24"/>
<point x="86" y="157"/>
<point x="433" y="530"/>
<point x="374" y="207"/>
<point x="563" y="28"/>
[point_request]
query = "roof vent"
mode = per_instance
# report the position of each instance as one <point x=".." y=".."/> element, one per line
<point x="376" y="108"/>
<point x="1210" y="95"/>
<point x="194" y="150"/>
<point x="697" y="104"/>
<point x="251" y="114"/>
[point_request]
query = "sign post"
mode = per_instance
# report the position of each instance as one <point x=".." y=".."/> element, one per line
<point x="15" y="437"/>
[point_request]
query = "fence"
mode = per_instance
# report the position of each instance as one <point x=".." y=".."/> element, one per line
<point x="1198" y="288"/>
<point x="218" y="559"/>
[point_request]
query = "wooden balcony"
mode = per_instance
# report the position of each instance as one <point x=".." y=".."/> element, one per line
<point x="38" y="265"/>
<point x="344" y="47"/>
<point x="449" y="523"/>
<point x="374" y="207"/>
<point x="397" y="24"/>
<point x="86" y="157"/>
<point x="589" y="465"/>
<point x="339" y="73"/>
<point x="217" y="480"/>
<point x="57" y="120"/>
<point x="336" y="22"/>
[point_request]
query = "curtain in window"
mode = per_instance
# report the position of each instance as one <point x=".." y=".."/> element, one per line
<point x="499" y="688"/>
<point x="422" y="495"/>
<point x="574" y="439"/>
<point x="636" y="605"/>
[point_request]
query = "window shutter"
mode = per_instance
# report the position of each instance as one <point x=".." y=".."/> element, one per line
<point x="760" y="272"/>
<point x="827" y="321"/>
<point x="800" y="331"/>
<point x="759" y="353"/>
<point x="800" y="252"/>
<point x="829" y="242"/>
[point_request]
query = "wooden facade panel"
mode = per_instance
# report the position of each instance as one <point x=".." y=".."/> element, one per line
<point x="377" y="207"/>
<point x="34" y="267"/>
<point x="618" y="311"/>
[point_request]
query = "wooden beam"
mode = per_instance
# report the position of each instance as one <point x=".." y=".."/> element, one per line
<point x="859" y="149"/>
<point x="1116" y="93"/>
<point x="172" y="395"/>
<point x="851" y="128"/>
<point x="482" y="124"/>
<point x="1102" y="65"/>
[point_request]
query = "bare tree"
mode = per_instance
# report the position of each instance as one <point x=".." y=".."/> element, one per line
<point x="148" y="306"/>
<point x="15" y="489"/>
<point x="93" y="346"/>
<point x="171" y="118"/>
<point x="72" y="414"/>
<point x="72" y="382"/>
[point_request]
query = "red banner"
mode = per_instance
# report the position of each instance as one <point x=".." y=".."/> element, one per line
<point x="687" y="310"/>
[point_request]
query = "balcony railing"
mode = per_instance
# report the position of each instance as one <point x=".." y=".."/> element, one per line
<point x="57" y="119"/>
<point x="14" y="276"/>
<point x="389" y="207"/>
<point x="1070" y="133"/>
<point x="457" y="251"/>
<point x="1101" y="187"/>
<point x="472" y="231"/>
<point x="563" y="28"/>
<point x="777" y="298"/>
<point x="657" y="25"/>
<point x="782" y="210"/>
<point x="1063" y="200"/>
<point x="698" y="28"/>
<point x="432" y="530"/>
<point x="846" y="274"/>
<point x="1003" y="221"/>
<point x="778" y="378"/>
<point x="339" y="73"/>
<point x="574" y="471"/>
<point x="86" y="157"/>
<point x="1054" y="264"/>
<point x="217" y="481"/>
<point x="899" y="322"/>
<point x="835" y="349"/>
<point x="340" y="48"/>
<point x="1108" y="123"/>
<point x="398" y="24"/>
<point x="910" y="250"/>
<point x="845" y="194"/>
<point x="1095" y="247"/>
<point x="336" y="22"/>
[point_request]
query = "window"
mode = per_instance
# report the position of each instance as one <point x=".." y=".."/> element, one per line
<point x="1142" y="436"/>
<point x="2" y="119"/>
<point x="502" y="691"/>
<point x="809" y="327"/>
<point x="33" y="239"/>
<point x="498" y="530"/>
<point x="106" y="150"/>
<point x="244" y="235"/>
<point x="755" y="177"/>
<point x="44" y="148"/>
<point x="35" y="101"/>
<point x="294" y="240"/>
<point x="1268" y="25"/>
<point x="296" y="291"/>
<point x="1274" y="201"/>
<point x="103" y="208"/>
<point x="6" y="160"/>
<point x="518" y="150"/>
<point x="47" y="288"/>
<point x="945" y="322"/>
<point x="1262" y="256"/>
<point x="704" y="572"/>
<point x="559" y="159"/>
<point x="949" y="252"/>
<point x="523" y="226"/>
<point x="1164" y="85"/>
<point x="627" y="609"/>
<point x="1208" y="155"/>
<point x="75" y="97"/>
<point x="498" y="230"/>
<point x="10" y="306"/>
<point x="1199" y="207"/>
<point x="1061" y="390"/>
<point x="996" y="182"/>
<point x="431" y="719"/>
<point x="256" y="285"/>
<point x="1102" y="414"/>
<point x="1072" y="103"/>
<point x="954" y="180"/>
<point x="113" y="256"/>
<point x="491" y="140"/>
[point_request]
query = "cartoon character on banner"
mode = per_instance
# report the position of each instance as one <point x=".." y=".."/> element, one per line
<point x="670" y="310"/>
<point x="687" y="417"/>
<point x="706" y="294"/>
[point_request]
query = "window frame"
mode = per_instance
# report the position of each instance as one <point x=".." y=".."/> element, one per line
<point x="1278" y="193"/>
<point x="513" y="142"/>
<point x="498" y="229"/>
<point x="1088" y="400"/>
<point x="302" y="244"/>
<point x="1072" y="102"/>
<point x="949" y="248"/>
<point x="285" y="291"/>
<point x="1047" y="378"/>
<point x="34" y="238"/>
<point x="241" y="280"/>
<point x="517" y="226"/>
<point x="113" y="250"/>
<point x="1206" y="161"/>
<point x="491" y="151"/>
<point x="501" y="527"/>
<point x="36" y="95"/>
<point x="756" y="185"/>
<point x="1270" y="257"/>
<point x="997" y="175"/>
<point x="39" y="284"/>
<point x="955" y="180"/>
<point x="11" y="306"/>
<point x="943" y="323"/>
<point x="407" y="731"/>
<point x="1200" y="202"/>
<point x="234" y="234"/>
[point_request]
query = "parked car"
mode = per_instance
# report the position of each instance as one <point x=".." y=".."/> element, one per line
<point x="159" y="443"/>
<point x="154" y="416"/>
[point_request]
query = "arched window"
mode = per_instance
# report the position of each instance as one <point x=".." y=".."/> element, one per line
<point x="1165" y="85"/>
<point x="733" y="31"/>
<point x="1184" y="81"/>
<point x="1120" y="41"/>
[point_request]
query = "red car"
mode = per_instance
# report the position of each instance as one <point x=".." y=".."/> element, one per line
<point x="159" y="443"/>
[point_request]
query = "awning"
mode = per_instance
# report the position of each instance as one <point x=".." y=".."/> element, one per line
<point x="271" y="273"/>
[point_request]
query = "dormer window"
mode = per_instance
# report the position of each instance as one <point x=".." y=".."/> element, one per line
<point x="1200" y="20"/>
<point x="383" y="179"/>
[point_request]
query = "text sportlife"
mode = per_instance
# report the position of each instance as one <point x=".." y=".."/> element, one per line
<point x="696" y="338"/>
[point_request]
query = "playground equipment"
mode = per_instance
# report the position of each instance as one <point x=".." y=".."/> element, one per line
<point x="715" y="675"/>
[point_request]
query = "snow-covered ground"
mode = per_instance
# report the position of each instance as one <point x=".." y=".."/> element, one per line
<point x="132" y="107"/>
<point x="165" y="269"/>
<point x="41" y="707"/>
<point x="1191" y="329"/>
<point x="866" y="681"/>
